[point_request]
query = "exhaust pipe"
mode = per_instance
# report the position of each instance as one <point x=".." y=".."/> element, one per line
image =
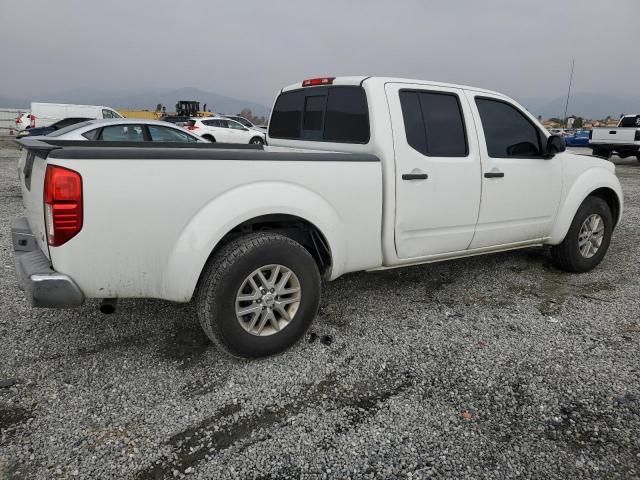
<point x="108" y="305"/>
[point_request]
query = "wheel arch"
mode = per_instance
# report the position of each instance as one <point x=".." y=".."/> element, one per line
<point x="292" y="210"/>
<point x="597" y="182"/>
<point x="297" y="228"/>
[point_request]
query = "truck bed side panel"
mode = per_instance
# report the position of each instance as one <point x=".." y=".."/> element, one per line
<point x="150" y="224"/>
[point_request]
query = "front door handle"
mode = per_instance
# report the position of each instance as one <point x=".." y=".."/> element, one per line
<point x="494" y="175"/>
<point x="414" y="176"/>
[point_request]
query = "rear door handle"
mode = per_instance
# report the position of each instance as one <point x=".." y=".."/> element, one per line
<point x="414" y="176"/>
<point x="494" y="175"/>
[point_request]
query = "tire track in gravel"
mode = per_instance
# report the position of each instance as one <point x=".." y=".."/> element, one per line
<point x="217" y="433"/>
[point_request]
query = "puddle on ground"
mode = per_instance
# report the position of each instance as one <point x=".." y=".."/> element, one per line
<point x="554" y="288"/>
<point x="11" y="417"/>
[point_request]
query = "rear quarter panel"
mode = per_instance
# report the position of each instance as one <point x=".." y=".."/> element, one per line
<point x="32" y="194"/>
<point x="150" y="225"/>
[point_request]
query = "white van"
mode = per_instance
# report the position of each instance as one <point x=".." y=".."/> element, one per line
<point x="45" y="114"/>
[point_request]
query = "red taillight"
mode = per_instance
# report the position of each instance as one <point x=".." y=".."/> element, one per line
<point x="19" y="119"/>
<point x="62" y="204"/>
<point x="191" y="125"/>
<point x="32" y="123"/>
<point x="314" y="82"/>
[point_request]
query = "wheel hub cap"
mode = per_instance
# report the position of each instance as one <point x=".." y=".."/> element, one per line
<point x="591" y="235"/>
<point x="268" y="300"/>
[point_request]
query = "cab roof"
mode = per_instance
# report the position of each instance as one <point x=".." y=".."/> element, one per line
<point x="360" y="80"/>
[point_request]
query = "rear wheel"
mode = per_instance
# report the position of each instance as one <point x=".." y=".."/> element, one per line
<point x="638" y="157"/>
<point x="258" y="295"/>
<point x="210" y="138"/>
<point x="256" y="141"/>
<point x="588" y="238"/>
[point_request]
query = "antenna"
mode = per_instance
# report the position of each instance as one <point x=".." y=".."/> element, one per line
<point x="566" y="105"/>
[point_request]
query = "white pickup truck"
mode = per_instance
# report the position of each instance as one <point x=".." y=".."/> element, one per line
<point x="380" y="173"/>
<point x="624" y="140"/>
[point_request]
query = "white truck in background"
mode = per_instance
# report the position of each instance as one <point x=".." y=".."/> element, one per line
<point x="45" y="114"/>
<point x="624" y="140"/>
<point x="381" y="173"/>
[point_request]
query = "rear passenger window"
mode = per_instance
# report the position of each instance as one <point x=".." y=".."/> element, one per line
<point x="330" y="114"/>
<point x="91" y="134"/>
<point x="165" y="134"/>
<point x="434" y="124"/>
<point x="630" y="122"/>
<point x="507" y="132"/>
<point x="122" y="133"/>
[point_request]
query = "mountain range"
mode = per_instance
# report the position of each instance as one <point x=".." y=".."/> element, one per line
<point x="585" y="104"/>
<point x="141" y="100"/>
<point x="582" y="104"/>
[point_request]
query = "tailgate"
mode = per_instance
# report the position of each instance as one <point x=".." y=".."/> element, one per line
<point x="613" y="135"/>
<point x="31" y="170"/>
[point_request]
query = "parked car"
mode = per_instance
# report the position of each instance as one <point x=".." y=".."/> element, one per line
<point x="243" y="121"/>
<point x="45" y="114"/>
<point x="580" y="138"/>
<point x="224" y="130"/>
<point x="401" y="172"/>
<point x="125" y="130"/>
<point x="51" y="128"/>
<point x="624" y="140"/>
<point x="558" y="131"/>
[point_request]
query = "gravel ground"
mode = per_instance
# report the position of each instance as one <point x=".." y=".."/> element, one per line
<point x="491" y="367"/>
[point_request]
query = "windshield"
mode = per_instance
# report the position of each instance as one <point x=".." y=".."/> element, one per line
<point x="70" y="128"/>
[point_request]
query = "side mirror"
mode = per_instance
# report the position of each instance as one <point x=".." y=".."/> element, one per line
<point x="555" y="145"/>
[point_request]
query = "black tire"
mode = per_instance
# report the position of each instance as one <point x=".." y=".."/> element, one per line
<point x="210" y="138"/>
<point x="256" y="141"/>
<point x="638" y="157"/>
<point x="567" y="256"/>
<point x="223" y="277"/>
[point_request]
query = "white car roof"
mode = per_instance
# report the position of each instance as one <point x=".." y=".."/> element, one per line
<point x="107" y="121"/>
<point x="199" y="119"/>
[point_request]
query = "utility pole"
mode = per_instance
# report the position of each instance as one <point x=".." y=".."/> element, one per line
<point x="566" y="105"/>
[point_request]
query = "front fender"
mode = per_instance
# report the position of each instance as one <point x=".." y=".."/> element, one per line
<point x="585" y="184"/>
<point x="225" y="212"/>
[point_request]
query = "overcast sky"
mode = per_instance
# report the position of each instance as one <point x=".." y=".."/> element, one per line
<point x="249" y="49"/>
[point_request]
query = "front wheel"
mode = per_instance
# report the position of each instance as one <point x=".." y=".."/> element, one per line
<point x="256" y="141"/>
<point x="258" y="295"/>
<point x="588" y="238"/>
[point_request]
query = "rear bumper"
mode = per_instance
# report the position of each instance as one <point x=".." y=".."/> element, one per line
<point x="615" y="147"/>
<point x="43" y="286"/>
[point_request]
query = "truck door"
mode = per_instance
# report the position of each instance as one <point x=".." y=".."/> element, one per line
<point x="437" y="166"/>
<point x="521" y="188"/>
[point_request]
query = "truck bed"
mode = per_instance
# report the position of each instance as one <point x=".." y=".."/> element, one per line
<point x="152" y="213"/>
